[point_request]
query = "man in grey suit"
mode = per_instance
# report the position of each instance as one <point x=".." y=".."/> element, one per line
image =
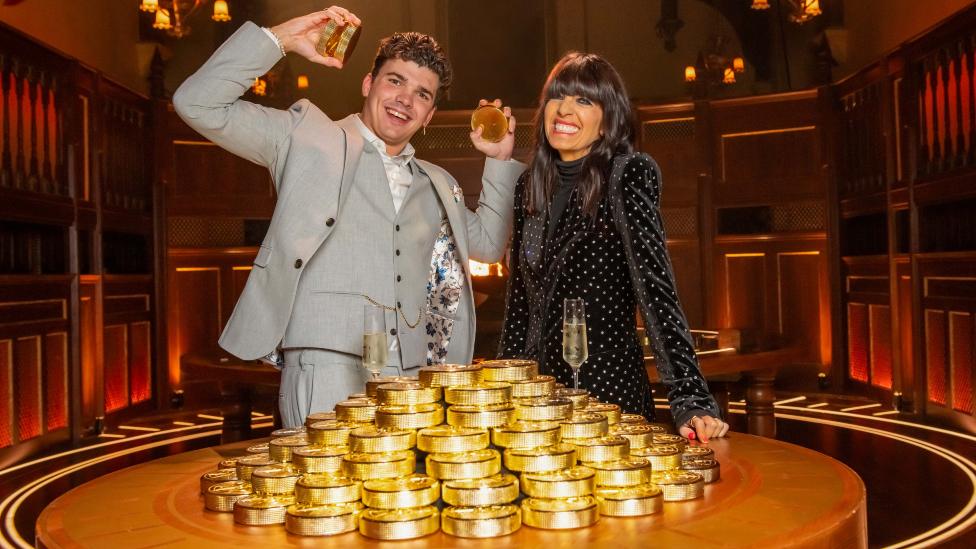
<point x="358" y="219"/>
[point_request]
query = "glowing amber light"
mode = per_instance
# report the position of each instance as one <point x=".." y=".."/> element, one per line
<point x="302" y="82"/>
<point x="812" y="8"/>
<point x="260" y="87"/>
<point x="729" y="77"/>
<point x="149" y="5"/>
<point x="760" y="4"/>
<point x="738" y="64"/>
<point x="221" y="12"/>
<point x="162" y="20"/>
<point x="484" y="269"/>
<point x="690" y="74"/>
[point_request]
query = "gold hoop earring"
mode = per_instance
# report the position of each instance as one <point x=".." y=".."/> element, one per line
<point x="425" y="130"/>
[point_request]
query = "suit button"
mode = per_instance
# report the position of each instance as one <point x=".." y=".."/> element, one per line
<point x="399" y="306"/>
<point x="398" y="278"/>
<point x="397" y="227"/>
<point x="298" y="263"/>
<point x="392" y="331"/>
<point x="329" y="222"/>
<point x="398" y="252"/>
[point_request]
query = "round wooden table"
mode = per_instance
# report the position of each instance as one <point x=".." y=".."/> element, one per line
<point x="771" y="494"/>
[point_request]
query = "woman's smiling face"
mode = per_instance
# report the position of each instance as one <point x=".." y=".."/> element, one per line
<point x="573" y="124"/>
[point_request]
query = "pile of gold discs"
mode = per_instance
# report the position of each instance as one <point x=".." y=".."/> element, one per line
<point x="453" y="450"/>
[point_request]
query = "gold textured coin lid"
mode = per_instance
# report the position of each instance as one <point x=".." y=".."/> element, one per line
<point x="220" y="475"/>
<point x="501" y="480"/>
<point x="264" y="502"/>
<point x="623" y="493"/>
<point x="258" y="448"/>
<point x="523" y="426"/>
<point x="332" y="425"/>
<point x="290" y="442"/>
<point x="631" y="429"/>
<point x="407" y="409"/>
<point x="577" y="472"/>
<point x="357" y="403"/>
<point x="287" y="432"/>
<point x="357" y="396"/>
<point x="385" y="457"/>
<point x="255" y="460"/>
<point x="321" y="451"/>
<point x="699" y="464"/>
<point x="410" y="483"/>
<point x="492" y="121"/>
<point x="480" y="386"/>
<point x="583" y="418"/>
<point x="668" y="439"/>
<point x="325" y="480"/>
<point x="372" y="431"/>
<point x="473" y="456"/>
<point x="319" y="416"/>
<point x="486" y="512"/>
<point x="447" y="431"/>
<point x="627" y="464"/>
<point x="409" y="514"/>
<point x="325" y="511"/>
<point x="228" y="463"/>
<point x="230" y="488"/>
<point x="633" y="419"/>
<point x="373" y="384"/>
<point x="554" y="450"/>
<point x="543" y="402"/>
<point x="606" y="440"/>
<point x="556" y="505"/>
<point x="278" y="470"/>
<point x="602" y="407"/>
<point x="541" y="379"/>
<point x="479" y="408"/>
<point x="675" y="478"/>
<point x="697" y="452"/>
<point x="656" y="450"/>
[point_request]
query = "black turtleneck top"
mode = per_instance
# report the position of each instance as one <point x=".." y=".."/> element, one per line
<point x="569" y="176"/>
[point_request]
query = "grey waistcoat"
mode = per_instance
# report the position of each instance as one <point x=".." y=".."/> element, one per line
<point x="373" y="252"/>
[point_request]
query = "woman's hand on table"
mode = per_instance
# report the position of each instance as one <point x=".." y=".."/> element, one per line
<point x="704" y="428"/>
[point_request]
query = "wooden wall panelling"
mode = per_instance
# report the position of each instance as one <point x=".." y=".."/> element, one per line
<point x="127" y="341"/>
<point x="30" y="389"/>
<point x="56" y="380"/>
<point x="7" y="431"/>
<point x="904" y="382"/>
<point x="91" y="349"/>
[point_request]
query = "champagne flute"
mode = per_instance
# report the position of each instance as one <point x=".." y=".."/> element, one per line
<point x="574" y="336"/>
<point x="374" y="339"/>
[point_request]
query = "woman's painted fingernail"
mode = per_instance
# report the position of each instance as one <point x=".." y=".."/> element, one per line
<point x="691" y="435"/>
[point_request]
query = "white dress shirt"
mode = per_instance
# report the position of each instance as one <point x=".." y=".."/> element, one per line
<point x="398" y="171"/>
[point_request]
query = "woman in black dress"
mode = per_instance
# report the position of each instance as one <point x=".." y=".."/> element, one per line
<point x="588" y="225"/>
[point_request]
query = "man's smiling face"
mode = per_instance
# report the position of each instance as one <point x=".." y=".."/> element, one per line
<point x="399" y="101"/>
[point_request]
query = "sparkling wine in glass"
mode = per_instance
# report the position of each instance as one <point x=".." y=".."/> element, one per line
<point x="375" y="346"/>
<point x="574" y="336"/>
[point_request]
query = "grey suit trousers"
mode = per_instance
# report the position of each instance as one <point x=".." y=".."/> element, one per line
<point x="314" y="380"/>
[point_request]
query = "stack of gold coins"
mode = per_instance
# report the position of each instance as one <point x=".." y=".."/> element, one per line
<point x="416" y="416"/>
<point x="481" y="522"/>
<point x="623" y="472"/>
<point x="221" y="496"/>
<point x="526" y="434"/>
<point x="662" y="457"/>
<point x="280" y="449"/>
<point x="323" y="520"/>
<point x="363" y="466"/>
<point x="330" y="432"/>
<point x="373" y="385"/>
<point x="665" y="439"/>
<point x="479" y="492"/>
<point x="356" y="396"/>
<point x="573" y="482"/>
<point x="611" y="411"/>
<point x="261" y="448"/>
<point x="540" y="460"/>
<point x="325" y="489"/>
<point x="708" y="468"/>
<point x="507" y="369"/>
<point x="275" y="480"/>
<point x="315" y="417"/>
<point x="461" y="465"/>
<point x="543" y="409"/>
<point x="407" y="393"/>
<point x="605" y="448"/>
<point x="444" y="439"/>
<point x="579" y="397"/>
<point x="247" y="464"/>
<point x="227" y="463"/>
<point x="393" y="524"/>
<point x="319" y="459"/>
<point x="679" y="485"/>
<point x="479" y="394"/>
<point x="538" y="386"/>
<point x="288" y="432"/>
<point x="629" y="501"/>
<point x="483" y="417"/>
<point x="373" y="440"/>
<point x="697" y="451"/>
<point x="361" y="410"/>
<point x="257" y="510"/>
<point x="450" y="375"/>
<point x="640" y="435"/>
<point x="558" y="514"/>
<point x="210" y="478"/>
<point x="584" y="425"/>
<point x="401" y="493"/>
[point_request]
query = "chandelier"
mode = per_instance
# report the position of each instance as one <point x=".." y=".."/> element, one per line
<point x="713" y="68"/>
<point x="802" y="10"/>
<point x="171" y="16"/>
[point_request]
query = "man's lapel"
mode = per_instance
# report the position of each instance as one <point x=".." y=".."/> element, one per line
<point x="354" y="150"/>
<point x="450" y="196"/>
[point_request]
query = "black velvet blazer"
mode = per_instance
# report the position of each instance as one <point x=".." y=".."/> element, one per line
<point x="614" y="261"/>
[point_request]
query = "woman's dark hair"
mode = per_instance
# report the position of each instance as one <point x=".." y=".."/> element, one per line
<point x="420" y="48"/>
<point x="593" y="77"/>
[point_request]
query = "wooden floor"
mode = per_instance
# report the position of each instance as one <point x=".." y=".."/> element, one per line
<point x="921" y="480"/>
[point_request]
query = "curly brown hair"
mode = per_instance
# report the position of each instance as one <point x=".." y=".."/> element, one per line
<point x="420" y="48"/>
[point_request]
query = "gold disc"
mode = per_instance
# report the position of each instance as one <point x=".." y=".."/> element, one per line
<point x="611" y="411"/>
<point x="228" y="463"/>
<point x="633" y="419"/>
<point x="584" y="425"/>
<point x="444" y="439"/>
<point x="375" y="440"/>
<point x="579" y="397"/>
<point x="417" y="416"/>
<point x="449" y="375"/>
<point x="247" y="464"/>
<point x="493" y="122"/>
<point x="460" y="465"/>
<point x="407" y="393"/>
<point x="679" y="485"/>
<point x="667" y="439"/>
<point x="624" y="472"/>
<point x="478" y="492"/>
<point x="567" y="483"/>
<point x="481" y="522"/>
<point x="543" y="409"/>
<point x="280" y="449"/>
<point x="662" y="458"/>
<point x="330" y="432"/>
<point x="288" y="432"/>
<point x="390" y="524"/>
<point x="508" y="369"/>
<point x="315" y="417"/>
<point x="483" y="417"/>
<point x="605" y="448"/>
<point x="697" y="451"/>
<point x="363" y="466"/>
<point x="526" y="434"/>
<point x="262" y="448"/>
<point x="479" y="394"/>
<point x="631" y="501"/>
<point x="221" y="496"/>
<point x="400" y="493"/>
<point x="706" y="467"/>
<point x="538" y="386"/>
<point x="539" y="460"/>
<point x="373" y="385"/>
<point x="559" y="514"/>
<point x="362" y="410"/>
<point x="257" y="510"/>
<point x="322" y="520"/>
<point x="324" y="489"/>
<point x="210" y="478"/>
<point x="640" y="435"/>
<point x="319" y="459"/>
<point x="275" y="480"/>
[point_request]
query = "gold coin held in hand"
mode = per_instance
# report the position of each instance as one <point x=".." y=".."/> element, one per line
<point x="493" y="120"/>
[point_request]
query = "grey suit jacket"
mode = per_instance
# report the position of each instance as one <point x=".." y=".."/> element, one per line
<point x="311" y="160"/>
